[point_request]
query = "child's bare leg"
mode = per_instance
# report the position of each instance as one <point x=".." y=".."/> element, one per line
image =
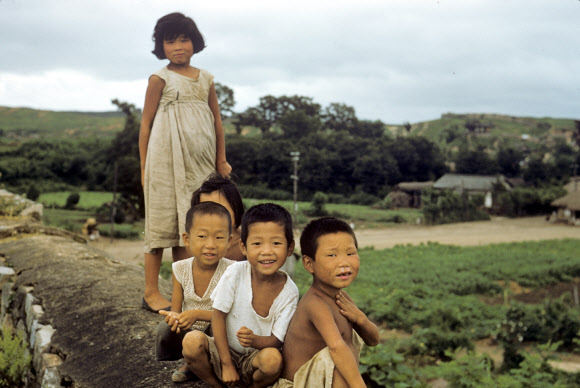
<point x="152" y="295"/>
<point x="179" y="253"/>
<point x="337" y="380"/>
<point x="196" y="355"/>
<point x="268" y="365"/>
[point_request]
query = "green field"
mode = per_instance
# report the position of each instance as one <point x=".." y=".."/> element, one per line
<point x="89" y="200"/>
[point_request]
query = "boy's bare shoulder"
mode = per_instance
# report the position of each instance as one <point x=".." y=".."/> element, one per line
<point x="312" y="302"/>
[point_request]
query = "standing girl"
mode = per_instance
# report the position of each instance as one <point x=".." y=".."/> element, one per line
<point x="181" y="142"/>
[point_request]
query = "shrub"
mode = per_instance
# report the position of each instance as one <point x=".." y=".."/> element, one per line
<point x="32" y="193"/>
<point x="72" y="201"/>
<point x="261" y="191"/>
<point x="14" y="358"/>
<point x="436" y="342"/>
<point x="446" y="206"/>
<point x="362" y="198"/>
<point x="319" y="202"/>
<point x="383" y="366"/>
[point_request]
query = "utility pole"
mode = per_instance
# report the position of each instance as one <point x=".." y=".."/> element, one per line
<point x="295" y="158"/>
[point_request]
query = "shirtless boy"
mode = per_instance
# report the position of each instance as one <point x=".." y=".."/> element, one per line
<point x="321" y="348"/>
<point x="253" y="304"/>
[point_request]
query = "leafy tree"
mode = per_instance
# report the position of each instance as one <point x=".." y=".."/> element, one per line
<point x="407" y="125"/>
<point x="369" y="129"/>
<point x="32" y="193"/>
<point x="339" y="117"/>
<point x="536" y="172"/>
<point x="249" y="117"/>
<point x="475" y="162"/>
<point x="125" y="152"/>
<point x="296" y="124"/>
<point x="508" y="160"/>
<point x="225" y="96"/>
<point x="271" y="109"/>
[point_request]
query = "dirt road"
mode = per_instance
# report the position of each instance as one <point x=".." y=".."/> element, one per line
<point x="498" y="230"/>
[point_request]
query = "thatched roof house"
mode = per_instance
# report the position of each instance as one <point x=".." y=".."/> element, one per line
<point x="570" y="201"/>
<point x="470" y="183"/>
<point x="408" y="194"/>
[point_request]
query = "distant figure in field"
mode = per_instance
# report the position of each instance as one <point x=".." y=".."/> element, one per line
<point x="325" y="334"/>
<point x="181" y="142"/>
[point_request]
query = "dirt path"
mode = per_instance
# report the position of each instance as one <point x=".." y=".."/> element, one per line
<point x="498" y="230"/>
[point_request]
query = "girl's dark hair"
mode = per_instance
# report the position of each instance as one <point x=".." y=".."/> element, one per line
<point x="318" y="228"/>
<point x="228" y="189"/>
<point x="207" y="208"/>
<point x="170" y="27"/>
<point x="267" y="212"/>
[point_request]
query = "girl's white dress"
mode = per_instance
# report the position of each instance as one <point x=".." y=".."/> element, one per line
<point x="180" y="155"/>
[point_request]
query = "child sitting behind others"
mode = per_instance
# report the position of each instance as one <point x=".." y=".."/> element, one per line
<point x="253" y="304"/>
<point x="322" y="344"/>
<point x="209" y="229"/>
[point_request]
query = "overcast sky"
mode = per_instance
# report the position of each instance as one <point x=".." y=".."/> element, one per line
<point x="393" y="60"/>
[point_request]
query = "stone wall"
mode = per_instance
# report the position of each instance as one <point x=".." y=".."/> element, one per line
<point x="81" y="311"/>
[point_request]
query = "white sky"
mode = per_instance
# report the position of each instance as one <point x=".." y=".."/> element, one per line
<point x="393" y="60"/>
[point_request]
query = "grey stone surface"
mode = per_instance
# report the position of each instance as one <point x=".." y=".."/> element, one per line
<point x="51" y="378"/>
<point x="93" y="302"/>
<point x="6" y="299"/>
<point x="41" y="344"/>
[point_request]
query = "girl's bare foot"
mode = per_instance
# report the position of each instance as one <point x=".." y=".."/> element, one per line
<point x="155" y="303"/>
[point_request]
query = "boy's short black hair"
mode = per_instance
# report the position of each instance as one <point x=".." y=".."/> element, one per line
<point x="267" y="212"/>
<point x="228" y="189"/>
<point x="320" y="227"/>
<point x="210" y="208"/>
<point x="170" y="27"/>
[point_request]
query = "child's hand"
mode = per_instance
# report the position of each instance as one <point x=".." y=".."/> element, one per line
<point x="171" y="320"/>
<point x="224" y="169"/>
<point x="230" y="375"/>
<point x="245" y="337"/>
<point x="186" y="319"/>
<point x="349" y="309"/>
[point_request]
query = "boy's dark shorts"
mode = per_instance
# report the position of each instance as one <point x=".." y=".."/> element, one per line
<point x="168" y="345"/>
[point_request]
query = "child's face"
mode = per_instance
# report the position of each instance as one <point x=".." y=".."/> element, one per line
<point x="266" y="247"/>
<point x="218" y="197"/>
<point x="178" y="50"/>
<point x="208" y="238"/>
<point x="336" y="261"/>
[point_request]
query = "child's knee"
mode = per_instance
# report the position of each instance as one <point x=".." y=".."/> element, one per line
<point x="194" y="344"/>
<point x="270" y="361"/>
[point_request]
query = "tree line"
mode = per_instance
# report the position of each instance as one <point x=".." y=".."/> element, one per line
<point x="350" y="159"/>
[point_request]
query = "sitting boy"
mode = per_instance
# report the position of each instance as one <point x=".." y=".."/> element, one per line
<point x="321" y="348"/>
<point x="209" y="229"/>
<point x="253" y="304"/>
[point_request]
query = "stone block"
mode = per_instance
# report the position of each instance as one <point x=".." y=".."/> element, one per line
<point x="34" y="211"/>
<point x="41" y="344"/>
<point x="32" y="332"/>
<point x="51" y="378"/>
<point x="50" y="360"/>
<point x="7" y="294"/>
<point x="33" y="313"/>
<point x="7" y="275"/>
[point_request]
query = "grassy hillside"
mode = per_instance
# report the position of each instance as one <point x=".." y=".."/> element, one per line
<point x="449" y="130"/>
<point x="24" y="122"/>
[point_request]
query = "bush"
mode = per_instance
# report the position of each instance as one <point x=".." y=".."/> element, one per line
<point x="261" y="191"/>
<point x="32" y="193"/>
<point x="446" y="206"/>
<point x="14" y="358"/>
<point x="319" y="202"/>
<point x="72" y="201"/>
<point x="362" y="198"/>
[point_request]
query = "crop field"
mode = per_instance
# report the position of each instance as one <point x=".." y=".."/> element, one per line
<point x="406" y="285"/>
<point x="448" y="296"/>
